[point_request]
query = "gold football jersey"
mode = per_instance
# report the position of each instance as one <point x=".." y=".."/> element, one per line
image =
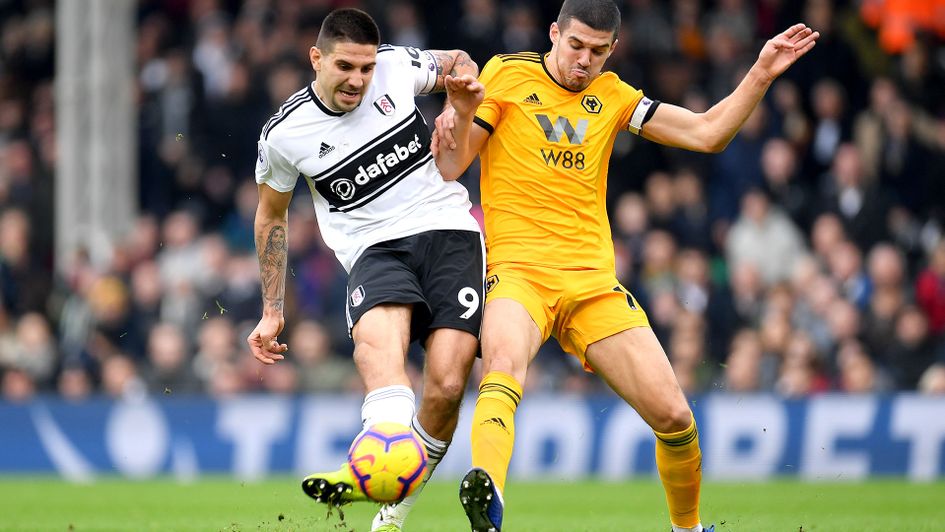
<point x="544" y="166"/>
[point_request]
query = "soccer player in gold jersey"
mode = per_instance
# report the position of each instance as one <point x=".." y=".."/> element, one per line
<point x="544" y="127"/>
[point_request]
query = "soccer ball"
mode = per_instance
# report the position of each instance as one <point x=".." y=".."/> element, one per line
<point x="388" y="461"/>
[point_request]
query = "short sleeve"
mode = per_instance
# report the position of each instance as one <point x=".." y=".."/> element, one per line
<point x="639" y="109"/>
<point x="420" y="65"/>
<point x="490" y="110"/>
<point x="273" y="169"/>
<point x="634" y="103"/>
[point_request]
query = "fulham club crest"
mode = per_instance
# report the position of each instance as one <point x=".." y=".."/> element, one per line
<point x="357" y="296"/>
<point x="385" y="105"/>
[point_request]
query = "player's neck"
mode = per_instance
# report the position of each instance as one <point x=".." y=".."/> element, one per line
<point x="320" y="94"/>
<point x="551" y="65"/>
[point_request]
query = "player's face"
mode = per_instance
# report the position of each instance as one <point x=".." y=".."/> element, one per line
<point x="578" y="53"/>
<point x="343" y="74"/>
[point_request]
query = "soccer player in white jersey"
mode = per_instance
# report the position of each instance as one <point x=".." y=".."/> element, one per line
<point x="412" y="250"/>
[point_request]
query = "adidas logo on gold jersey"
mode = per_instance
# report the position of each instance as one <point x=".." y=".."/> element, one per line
<point x="532" y="99"/>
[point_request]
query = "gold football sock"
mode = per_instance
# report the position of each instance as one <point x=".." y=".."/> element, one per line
<point x="679" y="462"/>
<point x="493" y="426"/>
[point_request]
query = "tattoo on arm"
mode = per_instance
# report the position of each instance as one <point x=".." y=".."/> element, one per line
<point x="272" y="264"/>
<point x="462" y="64"/>
<point x="453" y="63"/>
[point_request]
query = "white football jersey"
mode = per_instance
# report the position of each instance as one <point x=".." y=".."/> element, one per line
<point x="370" y="170"/>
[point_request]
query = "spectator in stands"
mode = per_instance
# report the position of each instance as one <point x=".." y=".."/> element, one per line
<point x="75" y="384"/>
<point x="858" y="373"/>
<point x="836" y="58"/>
<point x="168" y="368"/>
<point x="780" y="168"/>
<point x="23" y="285"/>
<point x="687" y="352"/>
<point x="801" y="372"/>
<point x="16" y="385"/>
<point x="879" y="320"/>
<point x="845" y="265"/>
<point x="227" y="381"/>
<point x="737" y="169"/>
<point x="320" y="368"/>
<point x="930" y="290"/>
<point x="826" y="234"/>
<point x="747" y="293"/>
<point x="691" y="224"/>
<point x="911" y="352"/>
<point x="743" y="365"/>
<point x="660" y="200"/>
<point x="120" y="378"/>
<point x="860" y="206"/>
<point x="147" y="290"/>
<point x="790" y="120"/>
<point x="657" y="273"/>
<point x="34" y="349"/>
<point x="830" y="127"/>
<point x="281" y="379"/>
<point x="764" y="237"/>
<point x="933" y="380"/>
<point x="774" y="335"/>
<point x="216" y="348"/>
<point x="868" y="124"/>
<point x="904" y="161"/>
<point x="631" y="223"/>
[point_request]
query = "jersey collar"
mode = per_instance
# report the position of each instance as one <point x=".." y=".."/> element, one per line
<point x="321" y="105"/>
<point x="544" y="67"/>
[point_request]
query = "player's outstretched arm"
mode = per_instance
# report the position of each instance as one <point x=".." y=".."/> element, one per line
<point x="453" y="63"/>
<point x="272" y="247"/>
<point x="456" y="141"/>
<point x="712" y="130"/>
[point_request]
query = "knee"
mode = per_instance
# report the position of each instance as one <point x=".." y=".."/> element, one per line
<point x="675" y="419"/>
<point x="503" y="362"/>
<point x="446" y="394"/>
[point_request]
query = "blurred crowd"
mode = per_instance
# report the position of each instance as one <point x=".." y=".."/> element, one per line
<point x="808" y="257"/>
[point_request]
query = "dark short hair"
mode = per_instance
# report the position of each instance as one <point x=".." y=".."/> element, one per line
<point x="347" y="25"/>
<point x="601" y="15"/>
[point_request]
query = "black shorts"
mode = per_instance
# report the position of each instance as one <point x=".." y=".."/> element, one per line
<point x="440" y="272"/>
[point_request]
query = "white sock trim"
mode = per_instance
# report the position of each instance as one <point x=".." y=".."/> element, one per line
<point x="435" y="448"/>
<point x="395" y="403"/>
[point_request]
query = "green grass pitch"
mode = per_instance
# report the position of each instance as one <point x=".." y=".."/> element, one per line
<point x="224" y="504"/>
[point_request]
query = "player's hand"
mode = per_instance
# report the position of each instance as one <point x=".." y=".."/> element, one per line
<point x="464" y="92"/>
<point x="463" y="96"/>
<point x="784" y="49"/>
<point x="263" y="343"/>
<point x="443" y="132"/>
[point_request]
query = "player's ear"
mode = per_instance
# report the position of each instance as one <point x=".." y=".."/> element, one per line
<point x="315" y="55"/>
<point x="612" y="48"/>
<point x="554" y="32"/>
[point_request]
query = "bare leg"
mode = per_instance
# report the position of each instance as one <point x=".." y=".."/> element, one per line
<point x="633" y="363"/>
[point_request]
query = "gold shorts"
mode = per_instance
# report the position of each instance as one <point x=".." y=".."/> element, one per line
<point x="577" y="307"/>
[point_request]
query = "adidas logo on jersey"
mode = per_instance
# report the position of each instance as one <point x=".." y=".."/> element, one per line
<point x="324" y="150"/>
<point x="532" y="99"/>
